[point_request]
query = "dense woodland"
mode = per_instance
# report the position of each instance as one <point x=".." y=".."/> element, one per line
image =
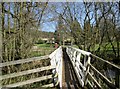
<point x="93" y="26"/>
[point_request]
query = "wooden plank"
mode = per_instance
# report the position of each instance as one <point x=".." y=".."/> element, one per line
<point x="84" y="68"/>
<point x="89" y="83"/>
<point x="78" y="76"/>
<point x="23" y="61"/>
<point x="106" y="62"/>
<point x="49" y="85"/>
<point x="29" y="81"/>
<point x="106" y="80"/>
<point x="88" y="67"/>
<point x="94" y="80"/>
<point x="81" y="51"/>
<point x="26" y="72"/>
<point x="72" y="86"/>
<point x="80" y="71"/>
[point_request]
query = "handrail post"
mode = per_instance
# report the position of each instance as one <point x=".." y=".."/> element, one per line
<point x="56" y="61"/>
<point x="87" y="69"/>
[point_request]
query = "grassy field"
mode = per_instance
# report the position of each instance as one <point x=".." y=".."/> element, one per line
<point x="42" y="49"/>
<point x="104" y="46"/>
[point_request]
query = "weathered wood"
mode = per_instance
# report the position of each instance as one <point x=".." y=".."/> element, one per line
<point x="100" y="87"/>
<point x="106" y="80"/>
<point x="56" y="61"/>
<point x="83" y="75"/>
<point x="76" y="64"/>
<point x="91" y="86"/>
<point x="79" y="76"/>
<point x="106" y="61"/>
<point x="80" y="71"/>
<point x="25" y="72"/>
<point x="82" y="66"/>
<point x="49" y="85"/>
<point x="72" y="86"/>
<point x="87" y="67"/>
<point x="81" y="51"/>
<point x="24" y="61"/>
<point x="29" y="81"/>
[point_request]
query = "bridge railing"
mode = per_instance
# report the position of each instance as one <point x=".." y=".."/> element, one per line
<point x="56" y="61"/>
<point x="94" y="71"/>
<point x="27" y="72"/>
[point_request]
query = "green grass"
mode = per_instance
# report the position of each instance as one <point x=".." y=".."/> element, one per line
<point x="104" y="46"/>
<point x="42" y="49"/>
<point x="44" y="45"/>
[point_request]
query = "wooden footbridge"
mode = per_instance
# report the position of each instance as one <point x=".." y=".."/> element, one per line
<point x="71" y="69"/>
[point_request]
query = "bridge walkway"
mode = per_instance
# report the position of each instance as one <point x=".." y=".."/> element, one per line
<point x="70" y="80"/>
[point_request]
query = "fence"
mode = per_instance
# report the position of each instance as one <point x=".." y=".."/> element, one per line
<point x="92" y="70"/>
<point x="56" y="61"/>
<point x="51" y="76"/>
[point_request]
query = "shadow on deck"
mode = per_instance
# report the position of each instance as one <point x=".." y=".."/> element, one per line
<point x="70" y="80"/>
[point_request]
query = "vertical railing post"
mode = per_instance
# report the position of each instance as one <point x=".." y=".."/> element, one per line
<point x="81" y="69"/>
<point x="78" y="56"/>
<point x="86" y="65"/>
<point x="74" y="58"/>
<point x="56" y="61"/>
<point x="87" y="69"/>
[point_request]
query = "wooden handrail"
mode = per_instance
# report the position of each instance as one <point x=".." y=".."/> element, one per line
<point x="29" y="81"/>
<point x="100" y="87"/>
<point x="26" y="72"/>
<point x="81" y="51"/>
<point x="24" y="61"/>
<point x="82" y="69"/>
<point x="115" y="66"/>
<point x="75" y="57"/>
<point x="12" y="75"/>
<point x="56" y="61"/>
<point x="106" y="80"/>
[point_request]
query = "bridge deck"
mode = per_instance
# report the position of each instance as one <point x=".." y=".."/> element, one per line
<point x="70" y="80"/>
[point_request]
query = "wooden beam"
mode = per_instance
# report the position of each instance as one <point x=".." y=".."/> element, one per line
<point x="28" y="81"/>
<point x="48" y="85"/>
<point x="81" y="51"/>
<point x="24" y="61"/>
<point x="117" y="67"/>
<point x="94" y="80"/>
<point x="25" y="72"/>
<point x="105" y="79"/>
<point x="90" y="85"/>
